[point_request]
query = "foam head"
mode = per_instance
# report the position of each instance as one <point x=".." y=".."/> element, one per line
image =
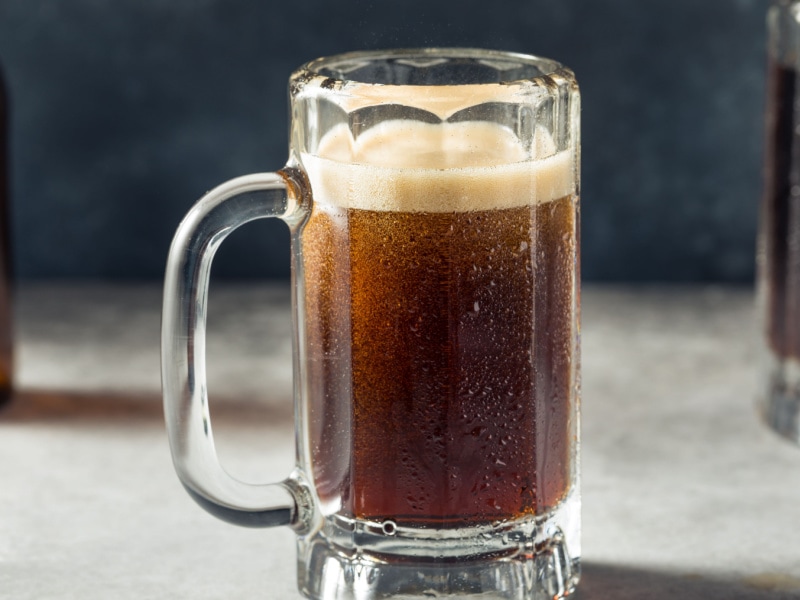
<point x="412" y="166"/>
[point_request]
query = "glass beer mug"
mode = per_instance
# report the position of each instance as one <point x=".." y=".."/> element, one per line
<point x="432" y="197"/>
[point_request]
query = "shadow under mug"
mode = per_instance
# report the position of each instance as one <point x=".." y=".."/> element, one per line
<point x="432" y="197"/>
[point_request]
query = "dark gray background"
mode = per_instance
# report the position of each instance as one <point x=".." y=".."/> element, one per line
<point x="126" y="111"/>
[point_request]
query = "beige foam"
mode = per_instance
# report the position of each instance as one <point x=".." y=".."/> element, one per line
<point x="448" y="167"/>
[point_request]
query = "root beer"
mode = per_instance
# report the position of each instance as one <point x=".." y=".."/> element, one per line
<point x="780" y="236"/>
<point x="439" y="266"/>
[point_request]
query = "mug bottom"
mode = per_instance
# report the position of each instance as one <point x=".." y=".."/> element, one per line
<point x="536" y="558"/>
<point x="780" y="403"/>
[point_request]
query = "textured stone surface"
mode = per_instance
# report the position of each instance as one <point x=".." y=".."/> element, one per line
<point x="686" y="495"/>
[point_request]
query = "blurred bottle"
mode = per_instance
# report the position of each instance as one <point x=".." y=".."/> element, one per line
<point x="779" y="234"/>
<point x="6" y="329"/>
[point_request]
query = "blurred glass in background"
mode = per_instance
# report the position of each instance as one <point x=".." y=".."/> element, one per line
<point x="6" y="329"/>
<point x="779" y="239"/>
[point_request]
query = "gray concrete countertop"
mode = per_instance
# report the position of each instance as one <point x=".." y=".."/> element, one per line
<point x="686" y="495"/>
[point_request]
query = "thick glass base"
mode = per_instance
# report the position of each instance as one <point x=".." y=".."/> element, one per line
<point x="530" y="559"/>
<point x="780" y="402"/>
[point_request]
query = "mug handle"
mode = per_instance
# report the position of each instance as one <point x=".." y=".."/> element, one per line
<point x="183" y="351"/>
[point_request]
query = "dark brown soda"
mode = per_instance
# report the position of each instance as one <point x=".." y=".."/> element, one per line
<point x="6" y="326"/>
<point x="781" y="213"/>
<point x="441" y="356"/>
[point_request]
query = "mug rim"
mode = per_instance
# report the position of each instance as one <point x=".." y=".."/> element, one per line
<point x="316" y="68"/>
